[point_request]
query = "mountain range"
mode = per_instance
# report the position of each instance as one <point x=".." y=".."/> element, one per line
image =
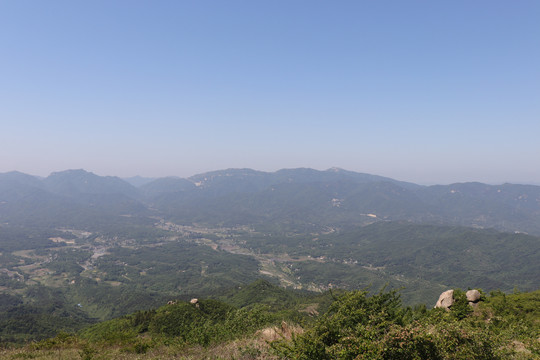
<point x="294" y="198"/>
<point x="76" y="247"/>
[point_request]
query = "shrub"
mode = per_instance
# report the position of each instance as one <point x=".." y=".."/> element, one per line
<point x="361" y="327"/>
<point x="460" y="308"/>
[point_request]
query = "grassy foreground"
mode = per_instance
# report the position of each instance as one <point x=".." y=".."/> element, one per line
<point x="237" y="349"/>
<point x="355" y="326"/>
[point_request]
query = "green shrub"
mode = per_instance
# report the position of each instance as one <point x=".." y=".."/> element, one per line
<point x="62" y="339"/>
<point x="87" y="352"/>
<point x="460" y="308"/>
<point x="351" y="327"/>
<point x="377" y="327"/>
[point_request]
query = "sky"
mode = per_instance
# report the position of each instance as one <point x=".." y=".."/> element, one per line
<point x="432" y="92"/>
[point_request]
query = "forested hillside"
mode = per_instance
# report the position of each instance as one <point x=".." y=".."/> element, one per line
<point x="349" y="325"/>
<point x="294" y="198"/>
<point x="77" y="249"/>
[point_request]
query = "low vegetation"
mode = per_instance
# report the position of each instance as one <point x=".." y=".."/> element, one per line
<point x="87" y="264"/>
<point x="356" y="325"/>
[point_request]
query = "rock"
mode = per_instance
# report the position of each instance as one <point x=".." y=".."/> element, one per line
<point x="520" y="347"/>
<point x="473" y="296"/>
<point x="269" y="334"/>
<point x="445" y="300"/>
<point x="274" y="333"/>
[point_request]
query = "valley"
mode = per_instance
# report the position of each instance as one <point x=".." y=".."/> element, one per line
<point x="77" y="248"/>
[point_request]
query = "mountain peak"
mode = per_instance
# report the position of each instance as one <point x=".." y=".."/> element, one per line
<point x="79" y="181"/>
<point x="72" y="172"/>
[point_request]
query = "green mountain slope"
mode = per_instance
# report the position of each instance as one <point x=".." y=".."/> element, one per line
<point x="354" y="325"/>
<point x="293" y="198"/>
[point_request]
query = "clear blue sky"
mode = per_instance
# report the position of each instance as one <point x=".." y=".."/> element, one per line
<point x="424" y="91"/>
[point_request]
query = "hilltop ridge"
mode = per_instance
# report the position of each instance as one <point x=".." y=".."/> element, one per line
<point x="334" y="197"/>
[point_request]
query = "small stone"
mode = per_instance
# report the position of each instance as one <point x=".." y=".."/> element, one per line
<point x="473" y="296"/>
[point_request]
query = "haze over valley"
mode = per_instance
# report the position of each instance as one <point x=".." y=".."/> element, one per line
<point x="101" y="247"/>
<point x="288" y="225"/>
<point x="269" y="180"/>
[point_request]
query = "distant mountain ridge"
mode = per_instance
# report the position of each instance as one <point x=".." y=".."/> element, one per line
<point x="114" y="248"/>
<point x="294" y="197"/>
<point x="67" y="198"/>
<point x="76" y="182"/>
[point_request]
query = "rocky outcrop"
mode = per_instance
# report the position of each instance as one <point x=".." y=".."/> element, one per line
<point x="274" y="333"/>
<point x="195" y="302"/>
<point x="473" y="296"/>
<point x="446" y="300"/>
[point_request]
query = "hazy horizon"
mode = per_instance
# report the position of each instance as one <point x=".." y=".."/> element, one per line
<point x="268" y="171"/>
<point x="426" y="92"/>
